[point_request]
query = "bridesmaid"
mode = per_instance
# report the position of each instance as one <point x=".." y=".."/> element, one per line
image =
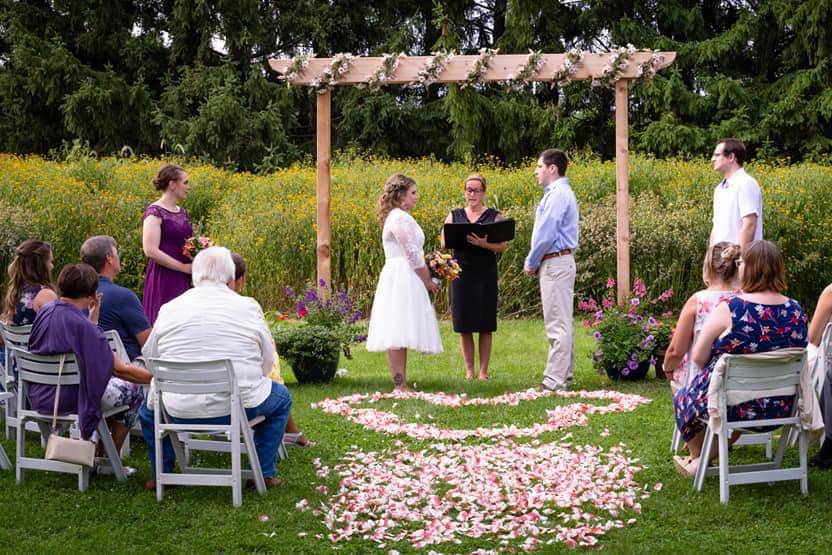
<point x="164" y="232"/>
<point x="474" y="293"/>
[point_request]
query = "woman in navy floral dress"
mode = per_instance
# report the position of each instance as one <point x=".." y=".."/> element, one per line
<point x="758" y="320"/>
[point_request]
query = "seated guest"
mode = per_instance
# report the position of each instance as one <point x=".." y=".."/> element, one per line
<point x="106" y="382"/>
<point x="30" y="282"/>
<point x="720" y="275"/>
<point x="292" y="437"/>
<point x="821" y="318"/>
<point x="29" y="288"/>
<point x="758" y="320"/>
<point x="212" y="322"/>
<point x="120" y="308"/>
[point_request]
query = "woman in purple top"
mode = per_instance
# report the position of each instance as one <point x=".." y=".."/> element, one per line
<point x="62" y="327"/>
<point x="164" y="232"/>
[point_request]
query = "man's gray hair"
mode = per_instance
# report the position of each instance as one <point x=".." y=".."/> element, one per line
<point x="95" y="250"/>
<point x="212" y="265"/>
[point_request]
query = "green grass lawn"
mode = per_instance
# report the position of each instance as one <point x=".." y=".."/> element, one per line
<point x="47" y="514"/>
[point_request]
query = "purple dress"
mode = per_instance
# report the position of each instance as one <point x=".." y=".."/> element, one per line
<point x="163" y="284"/>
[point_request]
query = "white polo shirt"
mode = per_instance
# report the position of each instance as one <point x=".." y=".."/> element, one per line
<point x="735" y="198"/>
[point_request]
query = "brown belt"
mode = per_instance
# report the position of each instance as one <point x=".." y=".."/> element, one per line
<point x="564" y="252"/>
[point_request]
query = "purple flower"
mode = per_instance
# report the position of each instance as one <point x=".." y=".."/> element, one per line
<point x="632" y="365"/>
<point x="300" y="306"/>
<point x="597" y="335"/>
<point x="625" y="372"/>
<point x="360" y="338"/>
<point x="322" y="283"/>
<point x="645" y="329"/>
<point x="311" y="295"/>
<point x="288" y="291"/>
<point x="652" y="321"/>
<point x="647" y="342"/>
<point x="635" y="301"/>
<point x="599" y="316"/>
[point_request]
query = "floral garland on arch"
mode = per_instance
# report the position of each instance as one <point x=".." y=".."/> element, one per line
<point x="481" y="65"/>
<point x="647" y="70"/>
<point x="530" y="68"/>
<point x="389" y="65"/>
<point x="431" y="70"/>
<point x="571" y="61"/>
<point x="618" y="63"/>
<point x="297" y="66"/>
<point x="339" y="66"/>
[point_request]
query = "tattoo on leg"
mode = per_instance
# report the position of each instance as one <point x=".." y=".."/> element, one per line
<point x="398" y="379"/>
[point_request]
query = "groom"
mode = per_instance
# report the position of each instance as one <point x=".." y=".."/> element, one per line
<point x="551" y="259"/>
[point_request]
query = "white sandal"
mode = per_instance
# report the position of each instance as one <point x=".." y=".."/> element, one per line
<point x="297" y="439"/>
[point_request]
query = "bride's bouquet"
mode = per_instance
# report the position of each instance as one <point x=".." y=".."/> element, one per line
<point x="442" y="265"/>
<point x="195" y="244"/>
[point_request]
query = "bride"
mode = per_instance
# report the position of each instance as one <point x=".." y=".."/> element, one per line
<point x="402" y="316"/>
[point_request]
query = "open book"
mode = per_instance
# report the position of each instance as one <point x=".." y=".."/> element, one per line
<point x="497" y="232"/>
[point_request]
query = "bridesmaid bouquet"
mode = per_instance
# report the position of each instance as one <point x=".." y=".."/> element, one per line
<point x="442" y="265"/>
<point x="195" y="244"/>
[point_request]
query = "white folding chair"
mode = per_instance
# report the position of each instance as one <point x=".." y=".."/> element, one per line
<point x="764" y="438"/>
<point x="117" y="346"/>
<point x="5" y="397"/>
<point x="15" y="337"/>
<point x="822" y="366"/>
<point x="43" y="369"/>
<point x="753" y="373"/>
<point x="204" y="377"/>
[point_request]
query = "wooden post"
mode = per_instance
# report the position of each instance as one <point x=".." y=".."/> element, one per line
<point x="622" y="189"/>
<point x="323" y="149"/>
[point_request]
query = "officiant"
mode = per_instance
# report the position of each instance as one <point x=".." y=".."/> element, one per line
<point x="474" y="293"/>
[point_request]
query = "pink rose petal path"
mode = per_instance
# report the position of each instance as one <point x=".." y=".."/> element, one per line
<point x="514" y="496"/>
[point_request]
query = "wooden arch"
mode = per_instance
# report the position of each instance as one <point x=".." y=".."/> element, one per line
<point x="503" y="67"/>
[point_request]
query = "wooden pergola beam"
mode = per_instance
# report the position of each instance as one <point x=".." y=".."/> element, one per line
<point x="503" y="67"/>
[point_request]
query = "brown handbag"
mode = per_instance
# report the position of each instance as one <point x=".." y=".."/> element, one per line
<point x="65" y="449"/>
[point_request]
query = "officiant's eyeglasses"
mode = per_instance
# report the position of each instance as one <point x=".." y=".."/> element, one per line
<point x="473" y="191"/>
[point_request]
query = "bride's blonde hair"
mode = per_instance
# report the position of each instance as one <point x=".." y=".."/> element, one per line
<point x="394" y="190"/>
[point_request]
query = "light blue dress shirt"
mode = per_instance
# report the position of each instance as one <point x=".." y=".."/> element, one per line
<point x="555" y="223"/>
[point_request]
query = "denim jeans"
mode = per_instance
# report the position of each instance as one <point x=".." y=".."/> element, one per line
<point x="267" y="434"/>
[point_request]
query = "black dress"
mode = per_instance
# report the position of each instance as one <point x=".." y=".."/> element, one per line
<point x="474" y="293"/>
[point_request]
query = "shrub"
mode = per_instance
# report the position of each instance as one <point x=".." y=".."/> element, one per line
<point x="271" y="219"/>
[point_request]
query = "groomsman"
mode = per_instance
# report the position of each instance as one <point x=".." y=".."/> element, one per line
<point x="552" y="260"/>
<point x="738" y="202"/>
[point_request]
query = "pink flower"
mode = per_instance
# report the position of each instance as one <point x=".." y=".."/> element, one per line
<point x="610" y="283"/>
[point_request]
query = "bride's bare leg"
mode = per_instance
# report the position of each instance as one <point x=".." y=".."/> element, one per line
<point x="397" y="361"/>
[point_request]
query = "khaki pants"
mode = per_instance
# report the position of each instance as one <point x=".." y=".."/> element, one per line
<point x="557" y="289"/>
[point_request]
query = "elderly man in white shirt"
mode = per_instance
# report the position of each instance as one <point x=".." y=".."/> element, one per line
<point x="738" y="202"/>
<point x="210" y="322"/>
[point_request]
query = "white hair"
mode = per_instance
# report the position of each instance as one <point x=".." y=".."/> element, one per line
<point x="212" y="265"/>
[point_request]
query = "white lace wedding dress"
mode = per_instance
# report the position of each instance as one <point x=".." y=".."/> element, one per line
<point x="402" y="314"/>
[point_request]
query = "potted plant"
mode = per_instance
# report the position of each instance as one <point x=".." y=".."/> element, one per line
<point x="312" y="351"/>
<point x="627" y="336"/>
<point x="329" y="328"/>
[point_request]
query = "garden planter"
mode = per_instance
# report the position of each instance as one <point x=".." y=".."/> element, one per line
<point x="659" y="355"/>
<point x="630" y="375"/>
<point x="315" y="369"/>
